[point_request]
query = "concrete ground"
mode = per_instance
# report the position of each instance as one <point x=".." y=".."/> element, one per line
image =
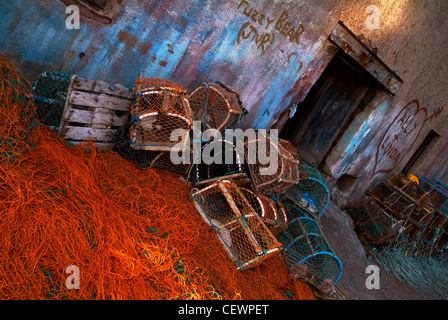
<point x="338" y="228"/>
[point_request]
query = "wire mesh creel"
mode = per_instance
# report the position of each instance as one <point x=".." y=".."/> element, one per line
<point x="308" y="254"/>
<point x="162" y="160"/>
<point x="222" y="167"/>
<point x="232" y="214"/>
<point x="160" y="107"/>
<point x="287" y="173"/>
<point x="49" y="95"/>
<point x="438" y="198"/>
<point x="375" y="223"/>
<point x="271" y="212"/>
<point x="396" y="202"/>
<point x="216" y="105"/>
<point x="311" y="192"/>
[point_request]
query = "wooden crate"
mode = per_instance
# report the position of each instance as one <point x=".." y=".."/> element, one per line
<point x="94" y="110"/>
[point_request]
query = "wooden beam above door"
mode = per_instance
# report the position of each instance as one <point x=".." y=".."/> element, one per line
<point x="348" y="42"/>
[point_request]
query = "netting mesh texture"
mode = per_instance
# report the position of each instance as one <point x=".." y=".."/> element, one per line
<point x="133" y="234"/>
<point x="160" y="107"/>
<point x="411" y="205"/>
<point x="216" y="105"/>
<point x="49" y="94"/>
<point x="402" y="224"/>
<point x="233" y="214"/>
<point x="226" y="163"/>
<point x="311" y="192"/>
<point x="376" y="225"/>
<point x="308" y="254"/>
<point x="287" y="170"/>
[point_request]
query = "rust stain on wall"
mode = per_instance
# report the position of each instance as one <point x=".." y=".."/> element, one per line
<point x="127" y="39"/>
<point x="143" y="48"/>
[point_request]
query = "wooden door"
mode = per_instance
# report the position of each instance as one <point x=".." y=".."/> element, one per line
<point x="326" y="110"/>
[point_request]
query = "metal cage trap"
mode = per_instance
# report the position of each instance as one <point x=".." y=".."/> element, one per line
<point x="49" y="95"/>
<point x="160" y="107"/>
<point x="233" y="215"/>
<point x="308" y="254"/>
<point x="271" y="212"/>
<point x="287" y="171"/>
<point x="311" y="192"/>
<point x="377" y="226"/>
<point x="226" y="163"/>
<point x="216" y="105"/>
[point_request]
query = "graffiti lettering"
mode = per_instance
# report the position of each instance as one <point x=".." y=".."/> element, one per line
<point x="401" y="135"/>
<point x="269" y="22"/>
<point x="263" y="41"/>
<point x="287" y="29"/>
<point x="255" y="15"/>
<point x="390" y="150"/>
<point x="282" y="25"/>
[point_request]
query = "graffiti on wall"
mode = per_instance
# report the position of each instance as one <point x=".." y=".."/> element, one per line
<point x="401" y="135"/>
<point x="263" y="29"/>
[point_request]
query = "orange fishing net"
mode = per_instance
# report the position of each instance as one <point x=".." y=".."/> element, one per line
<point x="133" y="234"/>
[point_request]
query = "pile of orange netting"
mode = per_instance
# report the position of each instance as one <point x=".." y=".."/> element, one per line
<point x="133" y="234"/>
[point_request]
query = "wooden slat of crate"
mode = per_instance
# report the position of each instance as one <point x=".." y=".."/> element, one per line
<point x="102" y="100"/>
<point x="87" y="133"/>
<point x="101" y="87"/>
<point x="100" y="145"/>
<point x="99" y="100"/>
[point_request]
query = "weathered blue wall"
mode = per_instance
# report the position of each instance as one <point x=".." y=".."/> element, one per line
<point x="185" y="41"/>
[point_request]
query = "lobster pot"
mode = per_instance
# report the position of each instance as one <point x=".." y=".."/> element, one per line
<point x="442" y="241"/>
<point x="396" y="202"/>
<point x="308" y="254"/>
<point x="375" y="223"/>
<point x="311" y="192"/>
<point x="293" y="210"/>
<point x="244" y="236"/>
<point x="439" y="221"/>
<point x="422" y="216"/>
<point x="271" y="212"/>
<point x="274" y="214"/>
<point x="233" y="168"/>
<point x="434" y="237"/>
<point x="160" y="108"/>
<point x="282" y="171"/>
<point x="216" y="105"/>
<point x="94" y="110"/>
<point x="412" y="189"/>
<point x="438" y="195"/>
<point x="49" y="95"/>
<point x="289" y="147"/>
<point x="162" y="160"/>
